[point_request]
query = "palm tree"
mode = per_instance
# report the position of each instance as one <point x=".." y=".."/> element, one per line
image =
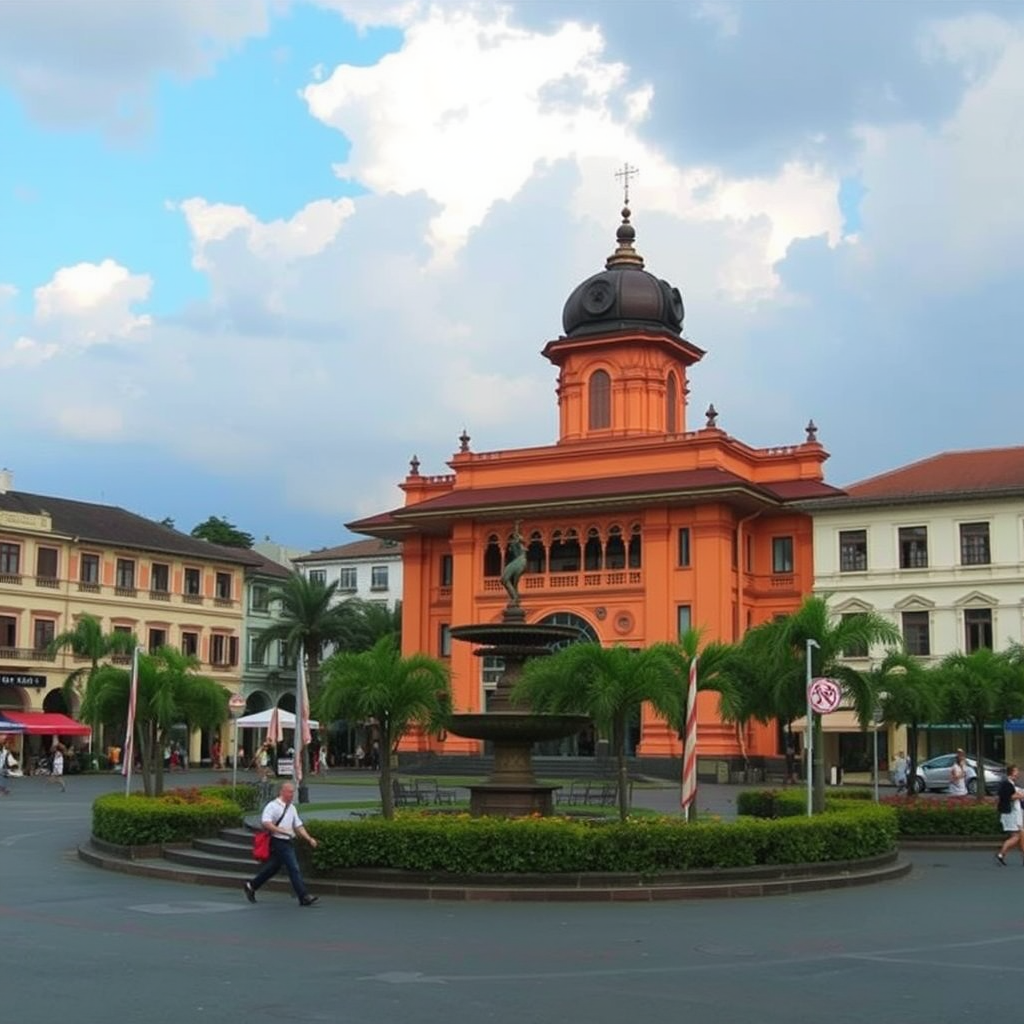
<point x="610" y="684"/>
<point x="169" y="691"/>
<point x="787" y="643"/>
<point x="395" y="692"/>
<point x="87" y="640"/>
<point x="365" y="622"/>
<point x="981" y="687"/>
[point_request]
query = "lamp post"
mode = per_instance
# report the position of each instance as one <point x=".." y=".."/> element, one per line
<point x="810" y="730"/>
<point x="236" y="705"/>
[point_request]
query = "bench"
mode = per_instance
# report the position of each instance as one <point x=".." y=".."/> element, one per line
<point x="432" y="793"/>
<point x="593" y="793"/>
<point x="405" y="795"/>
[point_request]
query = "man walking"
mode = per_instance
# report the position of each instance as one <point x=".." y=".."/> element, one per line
<point x="282" y="821"/>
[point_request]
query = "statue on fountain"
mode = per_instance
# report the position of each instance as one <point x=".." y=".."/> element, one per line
<point x="515" y="566"/>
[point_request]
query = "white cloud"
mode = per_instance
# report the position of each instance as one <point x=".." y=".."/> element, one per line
<point x="27" y="352"/>
<point x="90" y="422"/>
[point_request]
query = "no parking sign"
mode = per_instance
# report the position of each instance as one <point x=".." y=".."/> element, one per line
<point x="824" y="695"/>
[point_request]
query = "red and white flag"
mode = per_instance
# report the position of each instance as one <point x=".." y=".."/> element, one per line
<point x="689" y="792"/>
<point x="303" y="733"/>
<point x="128" y="758"/>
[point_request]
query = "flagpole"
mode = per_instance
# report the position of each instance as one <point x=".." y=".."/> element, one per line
<point x="689" y="780"/>
<point x="300" y="727"/>
<point x="129" y="739"/>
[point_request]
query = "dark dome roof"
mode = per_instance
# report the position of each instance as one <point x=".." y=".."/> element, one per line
<point x="623" y="295"/>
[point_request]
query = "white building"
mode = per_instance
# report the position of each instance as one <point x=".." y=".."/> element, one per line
<point x="367" y="569"/>
<point x="938" y="548"/>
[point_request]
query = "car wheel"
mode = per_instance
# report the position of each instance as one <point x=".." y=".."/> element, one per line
<point x="972" y="786"/>
<point x="918" y="785"/>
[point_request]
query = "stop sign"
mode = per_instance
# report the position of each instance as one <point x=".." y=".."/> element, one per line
<point x="236" y="703"/>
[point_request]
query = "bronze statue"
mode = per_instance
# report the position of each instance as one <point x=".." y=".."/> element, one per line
<point x="515" y="567"/>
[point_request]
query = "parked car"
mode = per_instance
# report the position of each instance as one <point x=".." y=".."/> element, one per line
<point x="934" y="774"/>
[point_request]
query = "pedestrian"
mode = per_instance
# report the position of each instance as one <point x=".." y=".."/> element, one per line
<point x="321" y="759"/>
<point x="958" y="775"/>
<point x="215" y="755"/>
<point x="899" y="772"/>
<point x="282" y="821"/>
<point x="1011" y="816"/>
<point x="359" y="756"/>
<point x="375" y="755"/>
<point x="57" y="768"/>
<point x="4" y="755"/>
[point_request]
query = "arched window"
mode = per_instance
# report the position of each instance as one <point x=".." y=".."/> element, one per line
<point x="565" y="551"/>
<point x="492" y="556"/>
<point x="600" y="400"/>
<point x="536" y="554"/>
<point x="615" y="550"/>
<point x="671" y="405"/>
<point x="634" y="547"/>
<point x="592" y="551"/>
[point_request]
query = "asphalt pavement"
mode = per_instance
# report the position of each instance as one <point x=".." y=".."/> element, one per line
<point x="943" y="945"/>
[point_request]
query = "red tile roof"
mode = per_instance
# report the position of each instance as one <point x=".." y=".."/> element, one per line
<point x="372" y="548"/>
<point x="982" y="471"/>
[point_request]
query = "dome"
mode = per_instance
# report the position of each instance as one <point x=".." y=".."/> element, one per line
<point x="623" y="295"/>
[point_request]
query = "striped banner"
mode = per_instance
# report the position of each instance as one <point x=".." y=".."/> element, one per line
<point x="689" y="792"/>
<point x="128" y="757"/>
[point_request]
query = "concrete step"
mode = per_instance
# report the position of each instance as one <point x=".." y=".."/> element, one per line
<point x="225" y="848"/>
<point x="197" y="858"/>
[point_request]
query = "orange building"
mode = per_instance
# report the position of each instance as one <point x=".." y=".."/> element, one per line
<point x="636" y="526"/>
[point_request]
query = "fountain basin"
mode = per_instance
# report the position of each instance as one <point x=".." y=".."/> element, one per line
<point x="515" y="725"/>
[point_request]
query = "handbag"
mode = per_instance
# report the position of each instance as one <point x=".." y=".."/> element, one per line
<point x="261" y="841"/>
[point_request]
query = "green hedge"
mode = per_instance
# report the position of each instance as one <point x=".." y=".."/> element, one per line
<point x="464" y="845"/>
<point x="143" y="820"/>
<point x="245" y="795"/>
<point x="920" y="817"/>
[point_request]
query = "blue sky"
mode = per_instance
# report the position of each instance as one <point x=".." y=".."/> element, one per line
<point x="256" y="255"/>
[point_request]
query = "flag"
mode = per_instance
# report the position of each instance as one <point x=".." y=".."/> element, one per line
<point x="303" y="735"/>
<point x="128" y="758"/>
<point x="275" y="734"/>
<point x="689" y="792"/>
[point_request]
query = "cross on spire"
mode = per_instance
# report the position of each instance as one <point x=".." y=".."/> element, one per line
<point x="625" y="174"/>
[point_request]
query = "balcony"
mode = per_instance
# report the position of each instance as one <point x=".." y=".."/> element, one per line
<point x="26" y="654"/>
<point x="774" y="584"/>
<point x="86" y="587"/>
<point x="48" y="581"/>
<point x="559" y="582"/>
<point x="125" y="592"/>
<point x="223" y="602"/>
<point x="192" y="598"/>
<point x="11" y="577"/>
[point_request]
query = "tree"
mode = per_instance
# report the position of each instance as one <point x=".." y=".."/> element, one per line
<point x="395" y="692"/>
<point x="217" y="530"/>
<point x="610" y="684"/>
<point x="981" y="687"/>
<point x="170" y="691"/>
<point x="785" y="643"/>
<point x="366" y="622"/>
<point x="168" y="521"/>
<point x="87" y="640"/>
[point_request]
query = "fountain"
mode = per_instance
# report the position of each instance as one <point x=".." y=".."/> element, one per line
<point x="513" y="790"/>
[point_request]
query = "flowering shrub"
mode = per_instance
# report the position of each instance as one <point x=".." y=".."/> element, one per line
<point x="173" y="818"/>
<point x="946" y="816"/>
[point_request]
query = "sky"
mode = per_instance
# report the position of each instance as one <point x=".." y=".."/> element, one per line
<point x="256" y="254"/>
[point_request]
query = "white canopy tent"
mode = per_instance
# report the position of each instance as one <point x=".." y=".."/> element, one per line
<point x="261" y="719"/>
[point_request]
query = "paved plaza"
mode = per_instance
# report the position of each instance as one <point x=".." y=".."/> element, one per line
<point x="945" y="944"/>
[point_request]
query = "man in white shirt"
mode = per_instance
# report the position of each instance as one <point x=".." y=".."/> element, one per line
<point x="282" y="821"/>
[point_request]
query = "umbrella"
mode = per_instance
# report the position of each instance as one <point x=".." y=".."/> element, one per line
<point x="6" y="725"/>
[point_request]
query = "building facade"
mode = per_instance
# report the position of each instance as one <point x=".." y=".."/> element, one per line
<point x="636" y="526"/>
<point x="60" y="559"/>
<point x="937" y="547"/>
<point x="370" y="570"/>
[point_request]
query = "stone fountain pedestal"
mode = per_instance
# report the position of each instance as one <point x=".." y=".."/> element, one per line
<point x="512" y="790"/>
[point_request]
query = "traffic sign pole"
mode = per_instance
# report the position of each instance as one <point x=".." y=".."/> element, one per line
<point x="236" y="705"/>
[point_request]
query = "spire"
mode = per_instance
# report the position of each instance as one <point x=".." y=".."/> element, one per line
<point x="625" y="255"/>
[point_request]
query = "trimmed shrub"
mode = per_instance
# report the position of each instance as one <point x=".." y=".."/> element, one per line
<point x="920" y="817"/>
<point x="462" y="845"/>
<point x="771" y="803"/>
<point x="245" y="795"/>
<point x="175" y="817"/>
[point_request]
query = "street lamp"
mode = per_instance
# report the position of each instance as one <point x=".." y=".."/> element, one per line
<point x="809" y="732"/>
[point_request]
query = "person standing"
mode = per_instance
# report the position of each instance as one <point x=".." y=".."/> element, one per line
<point x="3" y="768"/>
<point x="958" y="775"/>
<point x="899" y="772"/>
<point x="57" y="768"/>
<point x="1011" y="817"/>
<point x="282" y="821"/>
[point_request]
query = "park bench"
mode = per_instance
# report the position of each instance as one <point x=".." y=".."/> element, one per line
<point x="406" y="795"/>
<point x="432" y="793"/>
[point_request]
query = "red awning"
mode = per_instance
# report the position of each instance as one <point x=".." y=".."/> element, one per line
<point x="47" y="723"/>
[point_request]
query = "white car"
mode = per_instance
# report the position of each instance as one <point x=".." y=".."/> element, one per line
<point x="934" y="774"/>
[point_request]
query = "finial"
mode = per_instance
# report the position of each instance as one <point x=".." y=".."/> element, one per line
<point x="464" y="440"/>
<point x="712" y="415"/>
<point x="414" y="466"/>
<point x="812" y="432"/>
<point x="625" y="174"/>
<point x="625" y="255"/>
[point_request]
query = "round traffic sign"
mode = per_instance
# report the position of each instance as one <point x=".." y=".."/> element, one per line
<point x="236" y="703"/>
<point x="824" y="694"/>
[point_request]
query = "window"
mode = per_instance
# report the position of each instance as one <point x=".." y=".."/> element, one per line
<point x="256" y="656"/>
<point x="46" y="563"/>
<point x="856" y="649"/>
<point x="683" y="547"/>
<point x="974" y="548"/>
<point x="125" y="574"/>
<point x="193" y="582"/>
<point x="782" y="554"/>
<point x="853" y="550"/>
<point x="916" y="635"/>
<point x="978" y="628"/>
<point x="8" y="631"/>
<point x="43" y="632"/>
<point x="10" y="559"/>
<point x="161" y="582"/>
<point x="614" y="549"/>
<point x="127" y="630"/>
<point x="600" y="403"/>
<point x="635" y="547"/>
<point x="318" y="577"/>
<point x="913" y="547"/>
<point x="157" y="639"/>
<point x="190" y="644"/>
<point x="593" y="551"/>
<point x="223" y="650"/>
<point x="259" y="598"/>
<point x="749" y="554"/>
<point x="223" y="586"/>
<point x="447" y="570"/>
<point x="671" y="404"/>
<point x="379" y="577"/>
<point x="89" y="571"/>
<point x="684" y="619"/>
<point x="492" y="556"/>
<point x="444" y="640"/>
<point x="348" y="579"/>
